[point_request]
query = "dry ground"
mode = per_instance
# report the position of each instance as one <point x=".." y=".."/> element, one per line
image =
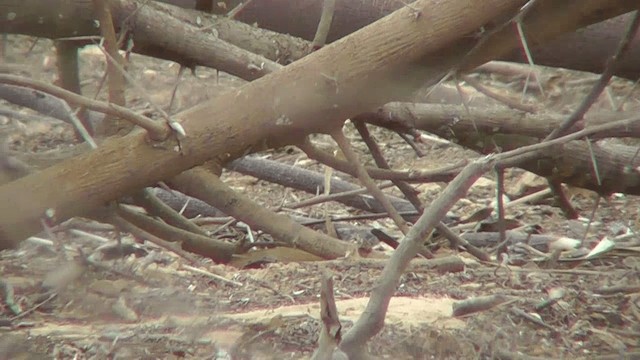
<point x="152" y="306"/>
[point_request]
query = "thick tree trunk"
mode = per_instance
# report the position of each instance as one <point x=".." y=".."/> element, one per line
<point x="587" y="49"/>
<point x="157" y="30"/>
<point x="491" y="130"/>
<point x="314" y="94"/>
<point x="383" y="62"/>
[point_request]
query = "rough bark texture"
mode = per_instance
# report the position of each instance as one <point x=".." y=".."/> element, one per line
<point x="494" y="130"/>
<point x="311" y="95"/>
<point x="157" y="30"/>
<point x="389" y="59"/>
<point x="587" y="49"/>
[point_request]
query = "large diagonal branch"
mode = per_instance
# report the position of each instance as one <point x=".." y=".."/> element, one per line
<point x="586" y="49"/>
<point x="281" y="107"/>
<point x="383" y="62"/>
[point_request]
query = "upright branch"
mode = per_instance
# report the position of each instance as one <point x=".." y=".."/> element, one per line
<point x="372" y="319"/>
<point x="328" y="8"/>
<point x="115" y="79"/>
<point x="331" y="332"/>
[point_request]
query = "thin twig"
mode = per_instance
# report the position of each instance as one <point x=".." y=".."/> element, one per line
<point x="359" y="217"/>
<point x="456" y="242"/>
<point x="156" y="207"/>
<point x="136" y="231"/>
<point x="500" y="207"/>
<point x="173" y="124"/>
<point x="444" y="174"/>
<point x="236" y="10"/>
<point x="515" y="156"/>
<point x="175" y="87"/>
<point x="411" y="141"/>
<point x="51" y="296"/>
<point x="366" y="180"/>
<point x="594" y="163"/>
<point x="332" y="197"/>
<point x="525" y="46"/>
<point x="211" y="275"/>
<point x="501" y="98"/>
<point x="82" y="130"/>
<point x="157" y="131"/>
<point x="593" y="215"/>
<point x="409" y="192"/>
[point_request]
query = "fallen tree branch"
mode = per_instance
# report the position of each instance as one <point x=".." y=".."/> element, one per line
<point x="293" y="117"/>
<point x="217" y="250"/>
<point x="445" y="174"/>
<point x="586" y="49"/>
<point x="351" y="156"/>
<point x="163" y="31"/>
<point x="392" y="59"/>
<point x="310" y="181"/>
<point x="372" y="319"/>
<point x="484" y="129"/>
<point x="204" y="185"/>
<point x="605" y="77"/>
<point x="156" y="129"/>
<point x="156" y="207"/>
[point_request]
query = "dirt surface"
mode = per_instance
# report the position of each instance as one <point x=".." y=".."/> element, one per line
<point x="64" y="297"/>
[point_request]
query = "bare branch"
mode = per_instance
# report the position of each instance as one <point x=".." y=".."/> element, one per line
<point x="156" y="130"/>
<point x="202" y="184"/>
<point x="330" y="334"/>
<point x="328" y="8"/>
<point x="115" y="79"/>
<point x="372" y="320"/>
<point x="606" y="75"/>
<point x="364" y="178"/>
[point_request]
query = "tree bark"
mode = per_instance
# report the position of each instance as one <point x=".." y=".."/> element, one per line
<point x="494" y="130"/>
<point x="157" y="30"/>
<point x="586" y="49"/>
<point x="383" y="62"/>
